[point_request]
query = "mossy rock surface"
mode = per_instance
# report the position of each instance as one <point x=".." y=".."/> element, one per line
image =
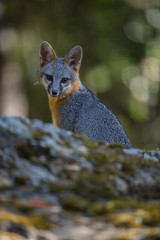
<point x="57" y="185"/>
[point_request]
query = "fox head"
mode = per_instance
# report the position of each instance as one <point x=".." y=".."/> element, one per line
<point x="60" y="76"/>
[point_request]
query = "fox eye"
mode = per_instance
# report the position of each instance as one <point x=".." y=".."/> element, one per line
<point x="64" y="80"/>
<point x="49" y="77"/>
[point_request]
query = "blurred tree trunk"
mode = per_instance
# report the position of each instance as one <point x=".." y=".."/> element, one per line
<point x="2" y="60"/>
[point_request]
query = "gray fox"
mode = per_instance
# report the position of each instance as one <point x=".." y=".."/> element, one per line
<point x="73" y="106"/>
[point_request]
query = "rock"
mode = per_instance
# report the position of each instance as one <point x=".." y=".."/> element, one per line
<point x="57" y="185"/>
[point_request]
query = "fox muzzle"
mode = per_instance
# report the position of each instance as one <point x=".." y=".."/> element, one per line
<point x="53" y="92"/>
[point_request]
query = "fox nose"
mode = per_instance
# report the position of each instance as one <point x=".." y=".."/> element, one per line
<point x="54" y="92"/>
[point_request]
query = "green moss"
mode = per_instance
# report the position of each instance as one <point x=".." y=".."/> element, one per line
<point x="20" y="181"/>
<point x="116" y="145"/>
<point x="152" y="218"/>
<point x="55" y="187"/>
<point x="133" y="214"/>
<point x="38" y="135"/>
<point x="125" y="219"/>
<point x="27" y="210"/>
<point x="126" y="212"/>
<point x="13" y="217"/>
<point x="120" y="205"/>
<point x="25" y="150"/>
<point x="73" y="202"/>
<point x="92" y="185"/>
<point x="98" y="157"/>
<point x="96" y="209"/>
<point x="152" y="236"/>
<point x="124" y="237"/>
<point x="40" y="222"/>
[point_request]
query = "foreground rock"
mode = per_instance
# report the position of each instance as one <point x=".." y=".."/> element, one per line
<point x="56" y="186"/>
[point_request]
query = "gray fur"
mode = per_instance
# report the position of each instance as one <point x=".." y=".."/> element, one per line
<point x="82" y="113"/>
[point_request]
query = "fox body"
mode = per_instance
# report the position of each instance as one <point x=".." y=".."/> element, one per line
<point x="73" y="106"/>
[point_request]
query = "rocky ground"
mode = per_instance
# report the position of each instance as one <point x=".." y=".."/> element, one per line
<point x="59" y="186"/>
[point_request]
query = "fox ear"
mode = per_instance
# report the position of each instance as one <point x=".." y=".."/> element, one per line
<point x="47" y="54"/>
<point x="74" y="57"/>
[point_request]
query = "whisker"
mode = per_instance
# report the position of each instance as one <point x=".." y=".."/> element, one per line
<point x="37" y="83"/>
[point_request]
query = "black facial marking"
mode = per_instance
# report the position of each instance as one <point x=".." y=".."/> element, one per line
<point x="49" y="77"/>
<point x="64" y="80"/>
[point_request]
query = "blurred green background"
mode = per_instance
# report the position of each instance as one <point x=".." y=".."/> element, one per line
<point x="121" y="62"/>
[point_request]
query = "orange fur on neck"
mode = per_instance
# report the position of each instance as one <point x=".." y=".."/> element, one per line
<point x="54" y="103"/>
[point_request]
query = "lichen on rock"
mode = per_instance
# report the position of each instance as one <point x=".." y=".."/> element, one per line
<point x="57" y="185"/>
